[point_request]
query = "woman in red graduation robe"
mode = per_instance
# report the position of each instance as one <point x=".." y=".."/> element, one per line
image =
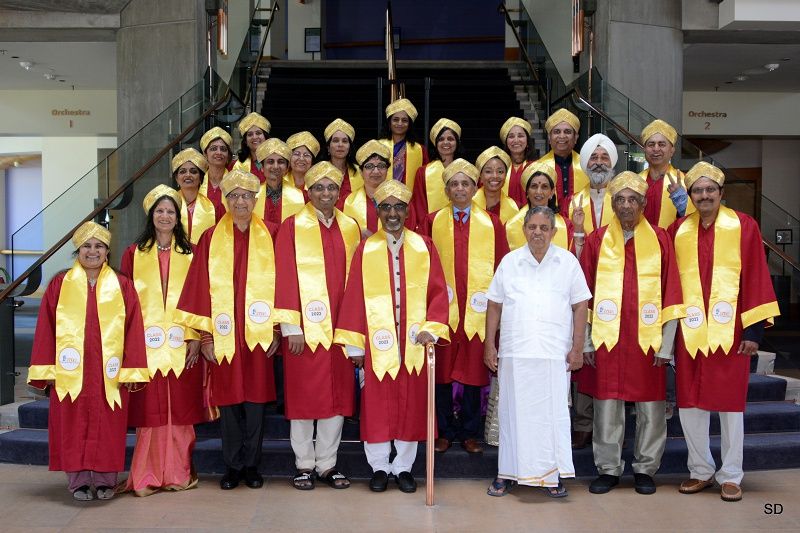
<point x="198" y="213"/>
<point x="164" y="413"/>
<point x="254" y="129"/>
<point x="360" y="204"/>
<point x="89" y="342"/>
<point x="339" y="136"/>
<point x="216" y="147"/>
<point x="515" y="134"/>
<point x="399" y="136"/>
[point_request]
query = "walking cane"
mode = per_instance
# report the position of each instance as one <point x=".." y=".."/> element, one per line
<point x="429" y="353"/>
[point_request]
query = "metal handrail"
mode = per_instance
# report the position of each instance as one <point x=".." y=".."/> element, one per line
<point x="780" y="253"/>
<point x="275" y="7"/>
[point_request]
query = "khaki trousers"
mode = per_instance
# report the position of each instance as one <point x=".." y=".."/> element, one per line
<point x="609" y="432"/>
<point x="319" y="455"/>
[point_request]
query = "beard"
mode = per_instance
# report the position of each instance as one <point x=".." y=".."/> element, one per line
<point x="600" y="174"/>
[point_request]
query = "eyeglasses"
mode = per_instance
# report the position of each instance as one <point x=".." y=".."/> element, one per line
<point x="301" y="155"/>
<point x="372" y="166"/>
<point x="386" y="208"/>
<point x="319" y="187"/>
<point x="244" y="196"/>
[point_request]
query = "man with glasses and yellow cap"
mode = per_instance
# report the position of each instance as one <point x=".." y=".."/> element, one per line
<point x="471" y="243"/>
<point x="229" y="297"/>
<point x="254" y="130"/>
<point x="399" y="136"/>
<point x="89" y="341"/>
<point x="562" y="134"/>
<point x="313" y="250"/>
<point x="667" y="199"/>
<point x="729" y="301"/>
<point x="395" y="302"/>
<point x="630" y="269"/>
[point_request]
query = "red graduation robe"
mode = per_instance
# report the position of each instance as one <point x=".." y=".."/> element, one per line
<point x="719" y="382"/>
<point x="249" y="376"/>
<point x="626" y="373"/>
<point x="179" y="399"/>
<point x="393" y="408"/>
<point x="318" y="384"/>
<point x="515" y="189"/>
<point x="462" y="359"/>
<point x="86" y="434"/>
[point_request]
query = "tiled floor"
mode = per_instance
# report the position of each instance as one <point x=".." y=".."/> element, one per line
<point x="33" y="499"/>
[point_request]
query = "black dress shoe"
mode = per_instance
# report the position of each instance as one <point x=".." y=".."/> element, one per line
<point x="604" y="483"/>
<point x="406" y="482"/>
<point x="644" y="484"/>
<point x="252" y="478"/>
<point x="230" y="480"/>
<point x="379" y="481"/>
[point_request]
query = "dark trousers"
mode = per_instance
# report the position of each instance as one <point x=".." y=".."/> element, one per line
<point x="469" y="428"/>
<point x="242" y="427"/>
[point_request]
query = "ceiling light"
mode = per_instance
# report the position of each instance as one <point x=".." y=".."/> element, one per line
<point x="741" y="77"/>
<point x="50" y="76"/>
<point x="17" y="163"/>
<point x="27" y="65"/>
<point x="771" y="66"/>
<point x="755" y="71"/>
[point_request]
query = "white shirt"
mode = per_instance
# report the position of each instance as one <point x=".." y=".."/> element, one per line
<point x="537" y="298"/>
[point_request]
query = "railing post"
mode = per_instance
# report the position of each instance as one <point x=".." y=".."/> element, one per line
<point x="427" y="105"/>
<point x="7" y="371"/>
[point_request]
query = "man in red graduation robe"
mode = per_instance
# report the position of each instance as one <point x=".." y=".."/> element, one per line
<point x="630" y="269"/>
<point x="562" y="135"/>
<point x="313" y="253"/>
<point x="471" y="243"/>
<point x="229" y="297"/>
<point x="666" y="196"/>
<point x="729" y="300"/>
<point x="394" y="303"/>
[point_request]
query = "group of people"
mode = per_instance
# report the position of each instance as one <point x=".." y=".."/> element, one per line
<point x="346" y="269"/>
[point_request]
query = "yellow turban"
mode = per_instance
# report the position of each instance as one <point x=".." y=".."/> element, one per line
<point x="463" y="166"/>
<point x="239" y="179"/>
<point x="303" y="138"/>
<point x="402" y="104"/>
<point x="90" y="229"/>
<point x="537" y="167"/>
<point x="159" y="191"/>
<point x="562" y="115"/>
<point x="392" y="188"/>
<point x="190" y="155"/>
<point x="704" y="170"/>
<point x="273" y="146"/>
<point x="213" y="134"/>
<point x="323" y="169"/>
<point x="441" y="124"/>
<point x="659" y="126"/>
<point x="627" y="180"/>
<point x="254" y="119"/>
<point x="339" y="125"/>
<point x="491" y="153"/>
<point x="370" y="148"/>
<point x="510" y="123"/>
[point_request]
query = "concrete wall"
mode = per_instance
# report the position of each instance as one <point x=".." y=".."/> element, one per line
<point x="65" y="113"/>
<point x="554" y="23"/>
<point x="781" y="174"/>
<point x="301" y="16"/>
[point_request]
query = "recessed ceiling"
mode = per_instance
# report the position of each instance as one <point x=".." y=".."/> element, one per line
<point x="715" y="66"/>
<point x="75" y="6"/>
<point x="82" y="65"/>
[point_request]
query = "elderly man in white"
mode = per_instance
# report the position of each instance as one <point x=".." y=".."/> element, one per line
<point x="538" y="298"/>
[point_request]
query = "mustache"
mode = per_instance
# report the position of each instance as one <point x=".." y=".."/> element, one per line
<point x="599" y="174"/>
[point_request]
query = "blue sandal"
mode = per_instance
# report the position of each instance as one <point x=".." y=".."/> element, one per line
<point x="556" y="492"/>
<point x="500" y="487"/>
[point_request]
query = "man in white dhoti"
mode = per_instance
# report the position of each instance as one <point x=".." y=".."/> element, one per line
<point x="538" y="298"/>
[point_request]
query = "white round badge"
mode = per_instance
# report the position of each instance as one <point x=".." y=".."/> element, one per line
<point x="693" y="318"/>
<point x="112" y="367"/>
<point x="316" y="311"/>
<point x="606" y="310"/>
<point x="649" y="314"/>
<point x="154" y="337"/>
<point x="449" y="294"/>
<point x="383" y="339"/>
<point x="722" y="312"/>
<point x="223" y="324"/>
<point x="479" y="302"/>
<point x="175" y="337"/>
<point x="69" y="358"/>
<point x="412" y="332"/>
<point x="259" y="312"/>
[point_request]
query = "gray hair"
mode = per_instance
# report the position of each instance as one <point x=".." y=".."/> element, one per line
<point x="540" y="210"/>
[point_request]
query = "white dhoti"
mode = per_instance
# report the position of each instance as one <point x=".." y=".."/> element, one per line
<point x="535" y="446"/>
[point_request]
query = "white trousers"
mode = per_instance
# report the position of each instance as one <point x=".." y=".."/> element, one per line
<point x="319" y="455"/>
<point x="695" y="423"/>
<point x="378" y="456"/>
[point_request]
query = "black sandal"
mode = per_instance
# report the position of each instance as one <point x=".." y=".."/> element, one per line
<point x="335" y="479"/>
<point x="559" y="491"/>
<point x="500" y="487"/>
<point x="303" y="480"/>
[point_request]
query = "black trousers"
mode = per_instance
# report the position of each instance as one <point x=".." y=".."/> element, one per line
<point x="469" y="428"/>
<point x="242" y="427"/>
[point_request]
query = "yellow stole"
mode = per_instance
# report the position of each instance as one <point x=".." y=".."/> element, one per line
<point x="259" y="299"/>
<point x="667" y="214"/>
<point x="204" y="186"/>
<point x="516" y="234"/>
<point x="508" y="207"/>
<point x="413" y="161"/>
<point x="608" y="287"/>
<point x="314" y="299"/>
<point x="71" y="325"/>
<point x="480" y="255"/>
<point x="356" y="179"/>
<point x="163" y="338"/>
<point x="292" y="200"/>
<point x="580" y="180"/>
<point x="434" y="186"/>
<point x="203" y="217"/>
<point x="706" y="330"/>
<point x="588" y="211"/>
<point x="355" y="206"/>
